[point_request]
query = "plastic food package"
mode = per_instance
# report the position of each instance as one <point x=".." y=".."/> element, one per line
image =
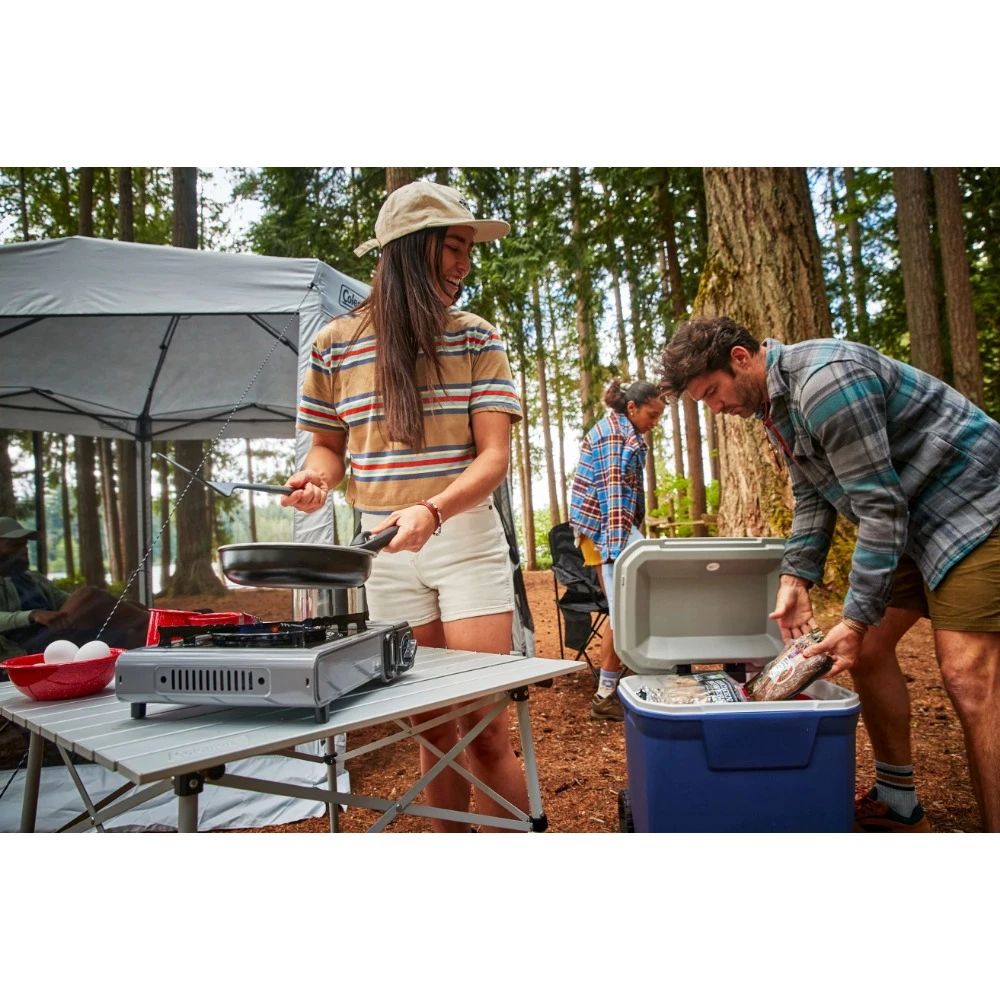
<point x="790" y="671"/>
<point x="700" y="688"/>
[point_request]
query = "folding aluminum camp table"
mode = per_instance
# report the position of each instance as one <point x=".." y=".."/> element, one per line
<point x="181" y="748"/>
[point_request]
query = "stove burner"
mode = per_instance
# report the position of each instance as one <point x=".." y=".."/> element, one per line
<point x="262" y="634"/>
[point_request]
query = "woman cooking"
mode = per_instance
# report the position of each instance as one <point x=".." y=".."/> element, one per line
<point x="607" y="506"/>
<point x="421" y="396"/>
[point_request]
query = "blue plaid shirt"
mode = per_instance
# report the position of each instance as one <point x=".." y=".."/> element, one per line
<point x="905" y="457"/>
<point x="608" y="495"/>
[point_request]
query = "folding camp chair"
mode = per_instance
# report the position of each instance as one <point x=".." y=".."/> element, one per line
<point x="582" y="599"/>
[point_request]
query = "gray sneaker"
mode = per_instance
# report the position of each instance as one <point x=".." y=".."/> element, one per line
<point x="607" y="709"/>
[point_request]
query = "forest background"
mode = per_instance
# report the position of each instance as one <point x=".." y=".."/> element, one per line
<point x="600" y="267"/>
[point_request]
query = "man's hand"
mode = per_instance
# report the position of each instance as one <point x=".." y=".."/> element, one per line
<point x="843" y="644"/>
<point x="793" y="610"/>
<point x="54" y="621"/>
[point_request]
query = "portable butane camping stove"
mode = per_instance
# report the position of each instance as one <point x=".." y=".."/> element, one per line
<point x="304" y="664"/>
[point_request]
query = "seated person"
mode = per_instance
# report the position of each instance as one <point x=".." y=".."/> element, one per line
<point x="34" y="611"/>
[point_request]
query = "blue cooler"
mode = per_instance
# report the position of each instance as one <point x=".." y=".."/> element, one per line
<point x="754" y="767"/>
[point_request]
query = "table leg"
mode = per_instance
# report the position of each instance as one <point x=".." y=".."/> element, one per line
<point x="538" y="819"/>
<point x="187" y="788"/>
<point x="32" y="778"/>
<point x="331" y="782"/>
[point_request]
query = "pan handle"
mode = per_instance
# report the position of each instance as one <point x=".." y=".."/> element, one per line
<point x="374" y="543"/>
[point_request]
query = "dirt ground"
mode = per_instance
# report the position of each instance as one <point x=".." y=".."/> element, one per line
<point x="581" y="762"/>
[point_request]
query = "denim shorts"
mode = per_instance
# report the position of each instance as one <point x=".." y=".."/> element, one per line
<point x="465" y="572"/>
<point x="608" y="573"/>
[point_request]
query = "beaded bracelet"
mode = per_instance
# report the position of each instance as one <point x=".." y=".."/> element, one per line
<point x="433" y="508"/>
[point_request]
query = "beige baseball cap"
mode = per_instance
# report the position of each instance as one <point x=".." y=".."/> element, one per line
<point x="425" y="205"/>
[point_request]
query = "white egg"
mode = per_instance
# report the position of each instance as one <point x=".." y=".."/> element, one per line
<point x="61" y="651"/>
<point x="93" y="650"/>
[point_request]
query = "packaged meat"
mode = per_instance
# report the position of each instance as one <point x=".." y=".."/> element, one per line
<point x="699" y="688"/>
<point x="790" y="671"/>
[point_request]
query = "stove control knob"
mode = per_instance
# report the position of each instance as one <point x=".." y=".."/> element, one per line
<point x="407" y="653"/>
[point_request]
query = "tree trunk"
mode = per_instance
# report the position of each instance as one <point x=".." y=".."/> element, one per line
<point x="7" y="508"/>
<point x="442" y="175"/>
<point x="186" y="207"/>
<point x="253" y="510"/>
<point x="560" y="424"/>
<point x="126" y="219"/>
<point x="193" y="516"/>
<point x="692" y="423"/>
<point x="957" y="286"/>
<point x="581" y="295"/>
<point x="713" y="444"/>
<point x="194" y="573"/>
<point x="166" y="548"/>
<point x="527" y="501"/>
<point x="128" y="506"/>
<point x="838" y="241"/>
<point x="86" y="224"/>
<point x="110" y="497"/>
<point x="762" y="268"/>
<point x="917" y="261"/>
<point x="543" y="404"/>
<point x="88" y="515"/>
<point x="623" y="364"/>
<point x="860" y="280"/>
<point x="23" y="198"/>
<point x="67" y="514"/>
<point x="396" y="177"/>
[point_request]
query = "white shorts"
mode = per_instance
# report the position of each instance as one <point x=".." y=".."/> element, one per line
<point x="465" y="572"/>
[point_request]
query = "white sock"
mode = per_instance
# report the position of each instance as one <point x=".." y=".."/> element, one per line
<point x="606" y="685"/>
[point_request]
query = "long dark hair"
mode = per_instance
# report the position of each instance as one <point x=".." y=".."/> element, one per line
<point x="617" y="395"/>
<point x="406" y="314"/>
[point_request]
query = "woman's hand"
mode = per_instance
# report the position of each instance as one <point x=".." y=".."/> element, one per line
<point x="416" y="524"/>
<point x="310" y="491"/>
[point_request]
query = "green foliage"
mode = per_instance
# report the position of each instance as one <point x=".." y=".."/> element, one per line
<point x="675" y="492"/>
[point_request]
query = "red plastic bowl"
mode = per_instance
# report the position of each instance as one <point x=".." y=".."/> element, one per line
<point x="32" y="676"/>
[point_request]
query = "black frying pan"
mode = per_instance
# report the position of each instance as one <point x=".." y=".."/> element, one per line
<point x="303" y="564"/>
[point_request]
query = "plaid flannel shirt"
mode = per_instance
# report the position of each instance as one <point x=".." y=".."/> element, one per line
<point x="608" y="495"/>
<point x="905" y="457"/>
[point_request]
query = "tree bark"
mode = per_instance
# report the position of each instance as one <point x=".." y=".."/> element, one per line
<point x="917" y="261"/>
<point x="711" y="442"/>
<point x="396" y="177"/>
<point x="623" y="364"/>
<point x="957" y="286"/>
<point x="762" y="268"/>
<point x="128" y="507"/>
<point x="67" y="515"/>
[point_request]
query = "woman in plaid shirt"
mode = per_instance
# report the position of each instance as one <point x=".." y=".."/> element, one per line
<point x="608" y="505"/>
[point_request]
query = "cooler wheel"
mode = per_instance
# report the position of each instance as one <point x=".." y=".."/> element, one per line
<point x="625" y="822"/>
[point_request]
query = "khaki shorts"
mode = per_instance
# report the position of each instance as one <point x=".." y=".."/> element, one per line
<point x="465" y="572"/>
<point x="966" y="600"/>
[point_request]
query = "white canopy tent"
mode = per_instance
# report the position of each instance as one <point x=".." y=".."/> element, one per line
<point x="129" y="340"/>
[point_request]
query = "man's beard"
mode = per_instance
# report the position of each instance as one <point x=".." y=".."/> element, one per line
<point x="14" y="565"/>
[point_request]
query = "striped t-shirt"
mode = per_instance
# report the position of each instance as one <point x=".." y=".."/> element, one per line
<point x="338" y="394"/>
